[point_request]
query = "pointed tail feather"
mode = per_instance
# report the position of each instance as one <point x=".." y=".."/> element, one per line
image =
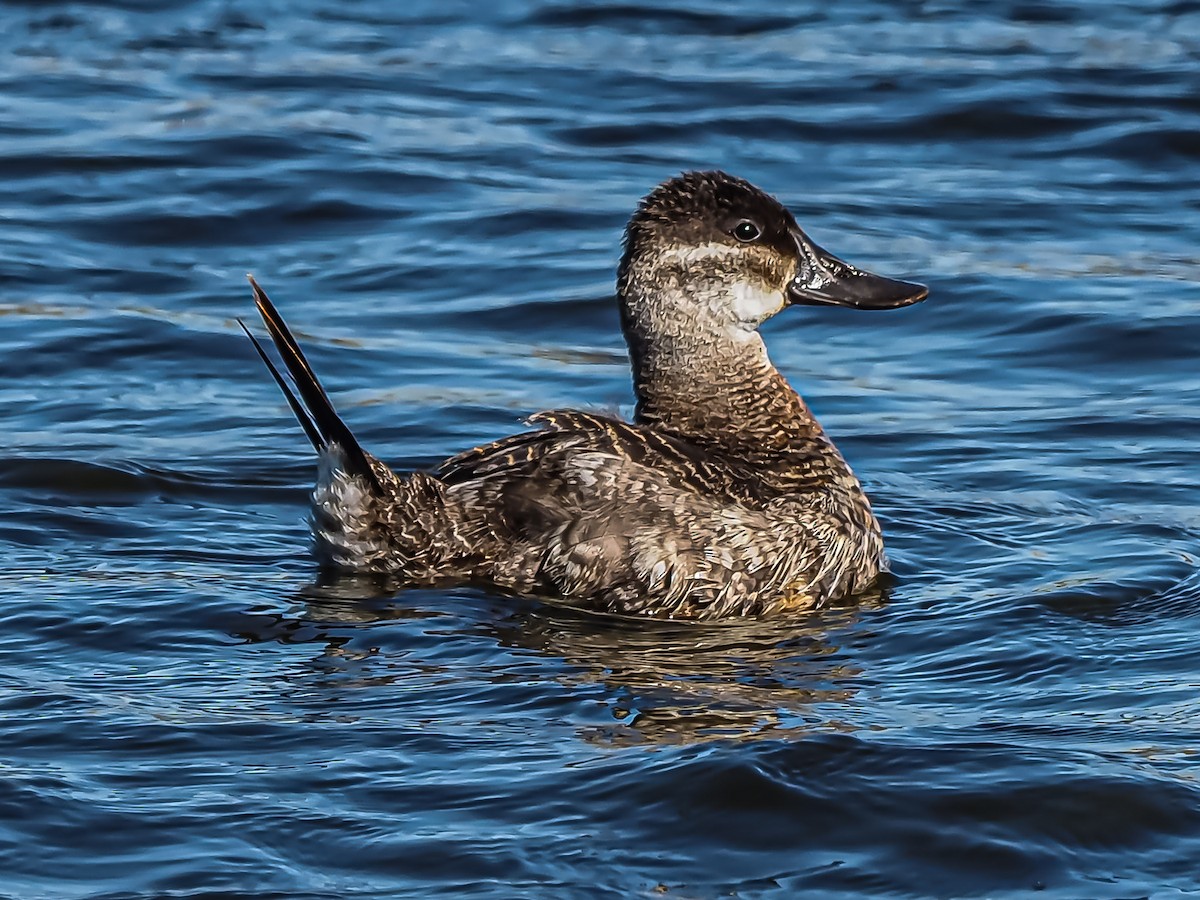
<point x="302" y="415"/>
<point x="313" y="408"/>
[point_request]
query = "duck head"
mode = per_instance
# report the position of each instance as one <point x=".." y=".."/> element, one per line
<point x="708" y="251"/>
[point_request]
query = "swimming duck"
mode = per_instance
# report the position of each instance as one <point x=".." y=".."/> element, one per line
<point x="723" y="497"/>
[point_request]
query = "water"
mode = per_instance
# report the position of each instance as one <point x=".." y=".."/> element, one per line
<point x="433" y="193"/>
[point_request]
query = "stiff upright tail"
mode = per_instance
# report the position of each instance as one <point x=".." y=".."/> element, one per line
<point x="313" y="408"/>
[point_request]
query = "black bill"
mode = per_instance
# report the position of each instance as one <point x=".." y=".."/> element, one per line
<point x="824" y="280"/>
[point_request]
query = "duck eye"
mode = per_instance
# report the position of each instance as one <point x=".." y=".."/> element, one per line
<point x="746" y="231"/>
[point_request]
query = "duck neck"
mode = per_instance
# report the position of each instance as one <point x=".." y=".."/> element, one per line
<point x="719" y="387"/>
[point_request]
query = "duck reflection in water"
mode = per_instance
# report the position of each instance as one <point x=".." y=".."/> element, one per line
<point x="660" y="682"/>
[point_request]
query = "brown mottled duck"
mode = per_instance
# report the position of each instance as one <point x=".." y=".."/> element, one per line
<point x="722" y="497"/>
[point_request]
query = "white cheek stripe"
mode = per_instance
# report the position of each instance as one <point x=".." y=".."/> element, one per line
<point x="698" y="253"/>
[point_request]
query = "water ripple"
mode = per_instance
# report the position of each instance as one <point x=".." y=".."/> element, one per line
<point x="435" y="194"/>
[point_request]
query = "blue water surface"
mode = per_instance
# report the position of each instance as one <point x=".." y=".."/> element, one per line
<point x="434" y="194"/>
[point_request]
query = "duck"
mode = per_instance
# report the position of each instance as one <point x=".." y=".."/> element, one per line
<point x="721" y="497"/>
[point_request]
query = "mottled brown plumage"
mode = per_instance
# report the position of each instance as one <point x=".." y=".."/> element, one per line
<point x="723" y="497"/>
